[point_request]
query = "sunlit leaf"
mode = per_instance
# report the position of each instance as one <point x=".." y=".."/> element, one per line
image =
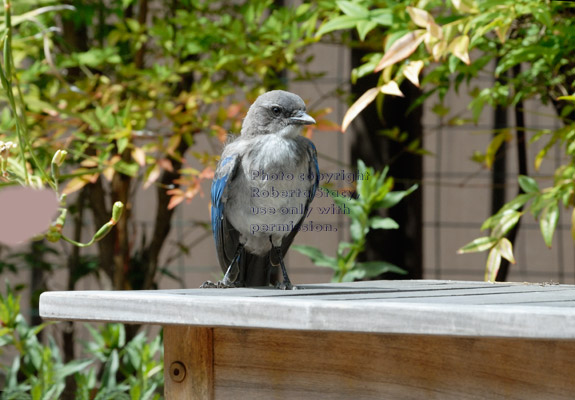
<point x="506" y="249"/>
<point x="412" y="70"/>
<point x="391" y="88"/>
<point x="438" y="50"/>
<point x="501" y="32"/>
<point x="495" y="145"/>
<point x="465" y="6"/>
<point x="425" y="20"/>
<point x="479" y="244"/>
<point x="175" y="199"/>
<point x="152" y="176"/>
<point x="493" y="264"/>
<point x="358" y="107"/>
<point x="420" y="17"/>
<point x="139" y="155"/>
<point x="504" y="224"/>
<point x="383" y="223"/>
<point x="75" y="184"/>
<point x="460" y="48"/>
<point x="401" y="49"/>
<point x="353" y="9"/>
<point x="341" y="22"/>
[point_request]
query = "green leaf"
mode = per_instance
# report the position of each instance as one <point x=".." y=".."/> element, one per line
<point x="72" y="367"/>
<point x="122" y="143"/>
<point x="507" y="221"/>
<point x="339" y="23"/>
<point x="495" y="145"/>
<point x="363" y="185"/>
<point x="364" y="27"/>
<point x="518" y="202"/>
<point x="130" y="169"/>
<point x="110" y="370"/>
<point x="381" y="16"/>
<point x="316" y="256"/>
<point x="353" y="9"/>
<point x="493" y="264"/>
<point x="440" y="109"/>
<point x="506" y="249"/>
<point x="383" y="223"/>
<point x="356" y="230"/>
<point x="393" y="198"/>
<point x="479" y="244"/>
<point x="370" y="269"/>
<point x="528" y="184"/>
<point x="548" y="221"/>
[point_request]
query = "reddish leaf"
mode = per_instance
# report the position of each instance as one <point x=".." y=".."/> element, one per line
<point x="153" y="176"/>
<point x="166" y="164"/>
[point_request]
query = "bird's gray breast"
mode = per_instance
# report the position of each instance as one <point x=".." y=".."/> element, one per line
<point x="268" y="195"/>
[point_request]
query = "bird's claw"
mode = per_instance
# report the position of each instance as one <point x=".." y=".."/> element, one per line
<point x="219" y="285"/>
<point x="285" y="286"/>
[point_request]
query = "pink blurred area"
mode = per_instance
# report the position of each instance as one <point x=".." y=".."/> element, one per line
<point x="25" y="213"/>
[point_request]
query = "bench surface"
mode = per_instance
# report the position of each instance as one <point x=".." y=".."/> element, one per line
<point x="432" y="307"/>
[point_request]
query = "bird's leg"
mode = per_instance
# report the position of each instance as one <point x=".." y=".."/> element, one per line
<point x="286" y="284"/>
<point x="231" y="274"/>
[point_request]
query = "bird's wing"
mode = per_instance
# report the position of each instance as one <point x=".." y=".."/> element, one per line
<point x="312" y="171"/>
<point x="225" y="235"/>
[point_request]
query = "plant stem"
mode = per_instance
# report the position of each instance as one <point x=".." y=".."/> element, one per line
<point x="6" y="76"/>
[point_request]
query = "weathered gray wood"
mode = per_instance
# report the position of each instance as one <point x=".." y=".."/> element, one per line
<point x="410" y="307"/>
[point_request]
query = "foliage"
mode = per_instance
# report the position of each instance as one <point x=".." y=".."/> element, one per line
<point x="14" y="114"/>
<point x="373" y="193"/>
<point x="440" y="36"/>
<point x="130" y="370"/>
<point x="126" y="89"/>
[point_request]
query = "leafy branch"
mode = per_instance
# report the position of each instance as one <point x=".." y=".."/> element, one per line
<point x="373" y="192"/>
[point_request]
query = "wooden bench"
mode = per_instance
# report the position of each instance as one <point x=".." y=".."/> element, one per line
<point x="364" y="340"/>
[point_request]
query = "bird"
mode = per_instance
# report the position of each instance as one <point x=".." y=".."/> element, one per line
<point x="261" y="192"/>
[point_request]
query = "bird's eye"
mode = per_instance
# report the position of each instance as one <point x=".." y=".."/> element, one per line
<point x="276" y="110"/>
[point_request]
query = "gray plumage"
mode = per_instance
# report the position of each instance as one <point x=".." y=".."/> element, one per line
<point x="262" y="189"/>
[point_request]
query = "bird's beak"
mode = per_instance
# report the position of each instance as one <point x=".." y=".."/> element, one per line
<point x="302" y="118"/>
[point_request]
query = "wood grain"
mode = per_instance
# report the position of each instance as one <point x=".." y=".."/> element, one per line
<point x="277" y="364"/>
<point x="409" y="307"/>
<point x="192" y="348"/>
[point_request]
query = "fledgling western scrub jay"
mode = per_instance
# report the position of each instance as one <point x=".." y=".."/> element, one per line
<point x="262" y="189"/>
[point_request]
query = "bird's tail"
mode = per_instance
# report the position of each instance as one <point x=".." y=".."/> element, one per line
<point x="257" y="270"/>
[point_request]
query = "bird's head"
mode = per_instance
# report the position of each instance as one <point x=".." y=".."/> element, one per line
<point x="276" y="112"/>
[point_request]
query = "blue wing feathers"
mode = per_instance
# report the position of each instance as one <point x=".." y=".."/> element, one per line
<point x="224" y="174"/>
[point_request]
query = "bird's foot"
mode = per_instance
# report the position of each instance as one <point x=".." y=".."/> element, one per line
<point x="220" y="285"/>
<point x="285" y="286"/>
